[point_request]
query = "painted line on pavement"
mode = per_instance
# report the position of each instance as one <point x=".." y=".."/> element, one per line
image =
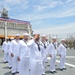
<point x="67" y="57"/>
<point x="71" y="65"/>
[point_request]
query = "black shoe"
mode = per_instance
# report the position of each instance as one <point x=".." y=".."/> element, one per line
<point x="5" y="62"/>
<point x="17" y="72"/>
<point x="13" y="73"/>
<point x="52" y="72"/>
<point x="55" y="71"/>
<point x="46" y="62"/>
<point x="61" y="69"/>
<point x="10" y="67"/>
<point x="64" y="69"/>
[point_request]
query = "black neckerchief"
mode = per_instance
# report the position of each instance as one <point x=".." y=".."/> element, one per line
<point x="17" y="40"/>
<point x="38" y="46"/>
<point x="64" y="45"/>
<point x="54" y="45"/>
<point x="44" y="45"/>
<point x="24" y="41"/>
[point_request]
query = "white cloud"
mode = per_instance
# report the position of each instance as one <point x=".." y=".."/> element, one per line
<point x="61" y="31"/>
<point x="22" y="5"/>
<point x="66" y="11"/>
<point x="14" y="4"/>
<point x="69" y="1"/>
<point x="48" y="5"/>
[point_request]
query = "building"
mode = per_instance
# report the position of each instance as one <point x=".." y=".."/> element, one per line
<point x="9" y="27"/>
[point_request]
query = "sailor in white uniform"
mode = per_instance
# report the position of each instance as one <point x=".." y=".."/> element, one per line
<point x="35" y="55"/>
<point x="43" y="51"/>
<point x="52" y="48"/>
<point x="24" y="55"/>
<point x="9" y="53"/>
<point x="14" y="54"/>
<point x="5" y="50"/>
<point x="62" y="53"/>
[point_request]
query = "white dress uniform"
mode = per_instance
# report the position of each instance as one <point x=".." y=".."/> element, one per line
<point x="5" y="49"/>
<point x="9" y="55"/>
<point x="52" y="48"/>
<point x="24" y="55"/>
<point x="43" y="52"/>
<point x="62" y="51"/>
<point x="15" y="49"/>
<point x="47" y="44"/>
<point x="35" y="58"/>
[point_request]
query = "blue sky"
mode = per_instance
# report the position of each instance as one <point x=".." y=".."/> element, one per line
<point x="46" y="16"/>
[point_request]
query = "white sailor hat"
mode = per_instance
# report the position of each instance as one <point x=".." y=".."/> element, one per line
<point x="54" y="37"/>
<point x="63" y="39"/>
<point x="11" y="38"/>
<point x="25" y="34"/>
<point x="7" y="37"/>
<point x="34" y="33"/>
<point x="31" y="37"/>
<point x="17" y="35"/>
<point x="43" y="35"/>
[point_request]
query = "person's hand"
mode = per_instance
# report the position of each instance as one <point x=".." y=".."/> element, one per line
<point x="50" y="55"/>
<point x="12" y="55"/>
<point x="60" y="55"/>
<point x="18" y="59"/>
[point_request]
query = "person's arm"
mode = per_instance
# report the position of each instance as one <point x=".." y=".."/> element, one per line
<point x="30" y="43"/>
<point x="11" y="49"/>
<point x="3" y="45"/>
<point x="59" y="50"/>
<point x="19" y="51"/>
<point x="49" y="49"/>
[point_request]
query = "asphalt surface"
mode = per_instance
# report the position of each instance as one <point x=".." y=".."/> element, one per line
<point x="70" y="65"/>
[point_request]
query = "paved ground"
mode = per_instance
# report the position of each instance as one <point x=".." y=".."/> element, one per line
<point x="70" y="65"/>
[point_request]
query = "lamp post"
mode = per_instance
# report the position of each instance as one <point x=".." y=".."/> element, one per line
<point x="5" y="29"/>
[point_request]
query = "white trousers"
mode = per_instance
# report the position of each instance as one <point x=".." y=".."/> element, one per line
<point x="9" y="61"/>
<point x="62" y="61"/>
<point x="43" y="67"/>
<point x="15" y="64"/>
<point x="5" y="56"/>
<point x="24" y="66"/>
<point x="36" y="68"/>
<point x="52" y="62"/>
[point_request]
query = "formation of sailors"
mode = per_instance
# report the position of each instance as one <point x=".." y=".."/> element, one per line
<point x="28" y="56"/>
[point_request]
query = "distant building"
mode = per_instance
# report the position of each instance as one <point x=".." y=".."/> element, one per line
<point x="14" y="26"/>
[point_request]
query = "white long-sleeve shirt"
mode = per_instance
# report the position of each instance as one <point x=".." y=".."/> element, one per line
<point x="24" y="51"/>
<point x="35" y="54"/>
<point x="52" y="49"/>
<point x="5" y="46"/>
<point x="44" y="50"/>
<point x="14" y="48"/>
<point x="62" y="49"/>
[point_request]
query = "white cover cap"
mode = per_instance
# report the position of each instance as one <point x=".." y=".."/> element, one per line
<point x="54" y="37"/>
<point x="11" y="38"/>
<point x="17" y="35"/>
<point x="35" y="33"/>
<point x="43" y="35"/>
<point x="25" y="34"/>
<point x="63" y="39"/>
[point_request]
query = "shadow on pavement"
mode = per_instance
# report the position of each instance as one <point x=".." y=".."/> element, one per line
<point x="5" y="67"/>
<point x="48" y="71"/>
<point x="2" y="62"/>
<point x="8" y="73"/>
